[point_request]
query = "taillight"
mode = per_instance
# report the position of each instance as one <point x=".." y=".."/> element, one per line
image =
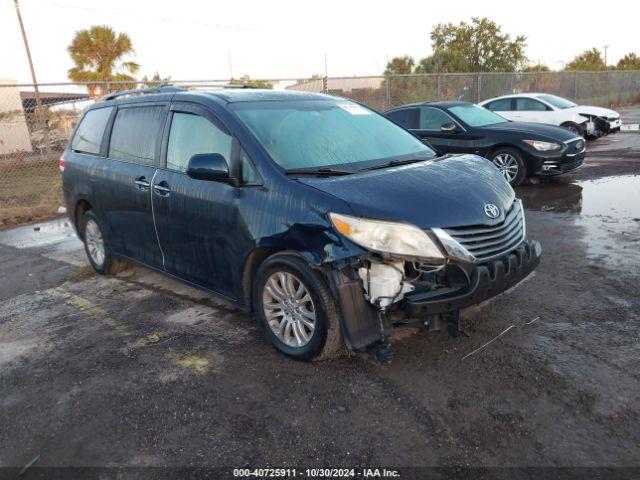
<point x="61" y="163"/>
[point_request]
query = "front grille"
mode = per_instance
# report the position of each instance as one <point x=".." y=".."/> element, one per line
<point x="485" y="242"/>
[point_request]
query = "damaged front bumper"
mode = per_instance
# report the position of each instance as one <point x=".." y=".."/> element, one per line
<point x="487" y="281"/>
<point x="364" y="325"/>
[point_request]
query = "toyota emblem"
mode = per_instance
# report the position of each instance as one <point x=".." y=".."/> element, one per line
<point x="491" y="210"/>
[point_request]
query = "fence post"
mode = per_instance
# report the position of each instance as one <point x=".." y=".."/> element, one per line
<point x="575" y="87"/>
<point x="388" y="90"/>
<point x="439" y="87"/>
<point x="479" y="89"/>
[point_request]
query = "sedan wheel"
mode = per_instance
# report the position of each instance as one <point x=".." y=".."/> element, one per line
<point x="508" y="166"/>
<point x="289" y="309"/>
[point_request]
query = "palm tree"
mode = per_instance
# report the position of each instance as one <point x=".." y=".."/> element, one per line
<point x="97" y="55"/>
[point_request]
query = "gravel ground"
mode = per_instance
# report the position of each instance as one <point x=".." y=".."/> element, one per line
<point x="137" y="370"/>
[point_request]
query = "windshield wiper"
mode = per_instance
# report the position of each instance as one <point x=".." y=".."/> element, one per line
<point x="396" y="162"/>
<point x="318" y="171"/>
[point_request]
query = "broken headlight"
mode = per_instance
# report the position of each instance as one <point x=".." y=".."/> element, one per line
<point x="387" y="237"/>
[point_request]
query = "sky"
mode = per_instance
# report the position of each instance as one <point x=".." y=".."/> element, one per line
<point x="193" y="39"/>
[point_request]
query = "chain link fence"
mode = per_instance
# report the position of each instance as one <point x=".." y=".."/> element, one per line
<point x="604" y="89"/>
<point x="35" y="123"/>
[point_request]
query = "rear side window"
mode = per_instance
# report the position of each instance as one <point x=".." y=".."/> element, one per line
<point x="191" y="134"/>
<point x="88" y="137"/>
<point x="407" y="117"/>
<point x="433" y="119"/>
<point x="136" y="134"/>
<point x="530" y="105"/>
<point x="503" y="105"/>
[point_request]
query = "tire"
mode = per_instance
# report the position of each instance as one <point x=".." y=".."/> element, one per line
<point x="289" y="308"/>
<point x="97" y="250"/>
<point x="510" y="163"/>
<point x="575" y="128"/>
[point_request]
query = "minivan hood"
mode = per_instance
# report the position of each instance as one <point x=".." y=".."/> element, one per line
<point x="445" y="192"/>
<point x="558" y="134"/>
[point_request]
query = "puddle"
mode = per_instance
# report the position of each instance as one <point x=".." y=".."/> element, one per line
<point x="40" y="235"/>
<point x="608" y="209"/>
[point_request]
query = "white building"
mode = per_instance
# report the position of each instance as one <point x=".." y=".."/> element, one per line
<point x="14" y="132"/>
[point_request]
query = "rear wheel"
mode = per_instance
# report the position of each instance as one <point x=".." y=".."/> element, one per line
<point x="96" y="248"/>
<point x="295" y="308"/>
<point x="510" y="163"/>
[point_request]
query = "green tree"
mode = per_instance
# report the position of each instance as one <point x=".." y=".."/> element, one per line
<point x="155" y="80"/>
<point x="589" y="60"/>
<point x="444" y="61"/>
<point x="245" y="80"/>
<point x="629" y="62"/>
<point x="399" y="66"/>
<point x="536" y="68"/>
<point x="98" y="53"/>
<point x="479" y="46"/>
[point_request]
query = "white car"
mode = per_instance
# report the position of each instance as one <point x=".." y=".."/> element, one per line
<point x="546" y="108"/>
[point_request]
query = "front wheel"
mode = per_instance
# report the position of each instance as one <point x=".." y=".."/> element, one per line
<point x="575" y="128"/>
<point x="295" y="308"/>
<point x="510" y="163"/>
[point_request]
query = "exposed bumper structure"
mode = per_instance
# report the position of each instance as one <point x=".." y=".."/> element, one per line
<point x="364" y="326"/>
<point x="487" y="281"/>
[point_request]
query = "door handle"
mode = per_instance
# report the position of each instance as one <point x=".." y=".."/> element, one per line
<point x="142" y="183"/>
<point x="162" y="189"/>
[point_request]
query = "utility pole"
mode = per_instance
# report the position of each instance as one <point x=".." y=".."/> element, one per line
<point x="26" y="46"/>
<point x="325" y="80"/>
<point x="606" y="47"/>
<point x="230" y="64"/>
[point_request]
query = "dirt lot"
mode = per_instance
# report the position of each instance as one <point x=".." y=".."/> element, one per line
<point x="138" y="370"/>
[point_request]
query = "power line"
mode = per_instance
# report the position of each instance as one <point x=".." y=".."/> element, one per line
<point x="147" y="17"/>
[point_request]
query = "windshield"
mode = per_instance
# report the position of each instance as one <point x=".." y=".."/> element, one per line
<point x="327" y="133"/>
<point x="476" y="116"/>
<point x="557" y="101"/>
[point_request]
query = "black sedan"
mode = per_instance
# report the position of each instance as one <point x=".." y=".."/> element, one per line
<point x="520" y="150"/>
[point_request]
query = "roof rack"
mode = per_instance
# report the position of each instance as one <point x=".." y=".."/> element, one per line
<point x="166" y="88"/>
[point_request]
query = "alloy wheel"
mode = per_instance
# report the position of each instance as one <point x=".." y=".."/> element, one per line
<point x="95" y="242"/>
<point x="507" y="164"/>
<point x="289" y="309"/>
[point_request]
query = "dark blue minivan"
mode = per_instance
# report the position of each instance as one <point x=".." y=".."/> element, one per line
<point x="329" y="222"/>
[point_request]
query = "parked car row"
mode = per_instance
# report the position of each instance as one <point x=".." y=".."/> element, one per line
<point x="520" y="150"/>
<point x="328" y="221"/>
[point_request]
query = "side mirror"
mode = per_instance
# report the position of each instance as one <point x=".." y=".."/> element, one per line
<point x="449" y="127"/>
<point x="208" y="166"/>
